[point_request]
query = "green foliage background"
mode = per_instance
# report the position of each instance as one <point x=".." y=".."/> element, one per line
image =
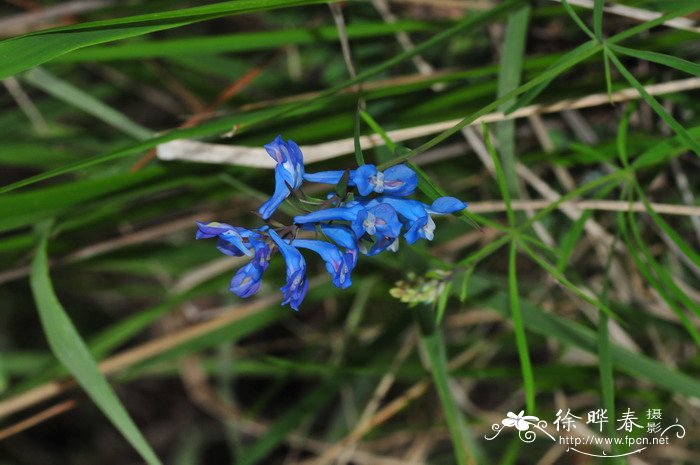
<point x="138" y="352"/>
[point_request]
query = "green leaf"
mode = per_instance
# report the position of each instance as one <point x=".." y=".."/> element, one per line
<point x="656" y="106"/>
<point x="509" y="76"/>
<point x="30" y="50"/>
<point x="69" y="348"/>
<point x="359" y="157"/>
<point x="462" y="442"/>
<point x="241" y="42"/>
<point x="577" y="19"/>
<point x="72" y="95"/>
<point x="441" y="306"/>
<point x="598" y="18"/>
<point x="660" y="58"/>
<point x="500" y="175"/>
<point x="572" y="333"/>
<point x="664" y="150"/>
<point x="520" y="337"/>
<point x="583" y="51"/>
<point x="25" y="208"/>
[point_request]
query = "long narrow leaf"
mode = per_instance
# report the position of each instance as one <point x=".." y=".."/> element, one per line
<point x="71" y="351"/>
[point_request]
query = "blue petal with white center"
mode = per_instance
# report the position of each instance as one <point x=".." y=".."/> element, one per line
<point x="399" y="180"/>
<point x="378" y="219"/>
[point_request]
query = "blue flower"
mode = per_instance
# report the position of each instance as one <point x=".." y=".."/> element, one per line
<point x="233" y="240"/>
<point x="366" y="178"/>
<point x="416" y="215"/>
<point x="364" y="223"/>
<point x="248" y="279"/>
<point x="289" y="173"/>
<point x="336" y="265"/>
<point x="383" y="243"/>
<point x="380" y="219"/>
<point x="399" y="180"/>
<point x="297" y="285"/>
<point x="344" y="237"/>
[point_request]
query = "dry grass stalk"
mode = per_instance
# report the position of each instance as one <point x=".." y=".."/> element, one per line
<point x="256" y="157"/>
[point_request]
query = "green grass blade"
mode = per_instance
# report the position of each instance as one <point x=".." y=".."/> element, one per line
<point x="598" y="19"/>
<point x="588" y="49"/>
<point x="689" y="251"/>
<point x="605" y="362"/>
<point x="241" y="42"/>
<point x="577" y="19"/>
<point x="461" y="439"/>
<point x="650" y="270"/>
<point x="71" y="351"/>
<point x="500" y="176"/>
<point x="72" y="95"/>
<point x="359" y="156"/>
<point x="568" y="61"/>
<point x="564" y="281"/>
<point x="572" y="333"/>
<point x="656" y="106"/>
<point x="33" y="49"/>
<point x="509" y="76"/>
<point x="655" y="57"/>
<point x="520" y="337"/>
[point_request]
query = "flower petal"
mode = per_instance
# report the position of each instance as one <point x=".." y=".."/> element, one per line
<point x="400" y="180"/>
<point x="296" y="286"/>
<point x="330" y="214"/>
<point x="335" y="261"/>
<point x="281" y="193"/>
<point x="445" y="205"/>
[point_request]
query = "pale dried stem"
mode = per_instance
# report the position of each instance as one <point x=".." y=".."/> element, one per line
<point x="26" y="105"/>
<point x="37" y="419"/>
<point x="639" y="14"/>
<point x="257" y="157"/>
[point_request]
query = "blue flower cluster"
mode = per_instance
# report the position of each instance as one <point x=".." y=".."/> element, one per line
<point x="368" y="218"/>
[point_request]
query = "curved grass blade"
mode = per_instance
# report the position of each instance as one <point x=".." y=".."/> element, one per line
<point x="69" y="348"/>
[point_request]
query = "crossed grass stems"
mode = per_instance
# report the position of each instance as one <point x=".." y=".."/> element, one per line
<point x="516" y="234"/>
